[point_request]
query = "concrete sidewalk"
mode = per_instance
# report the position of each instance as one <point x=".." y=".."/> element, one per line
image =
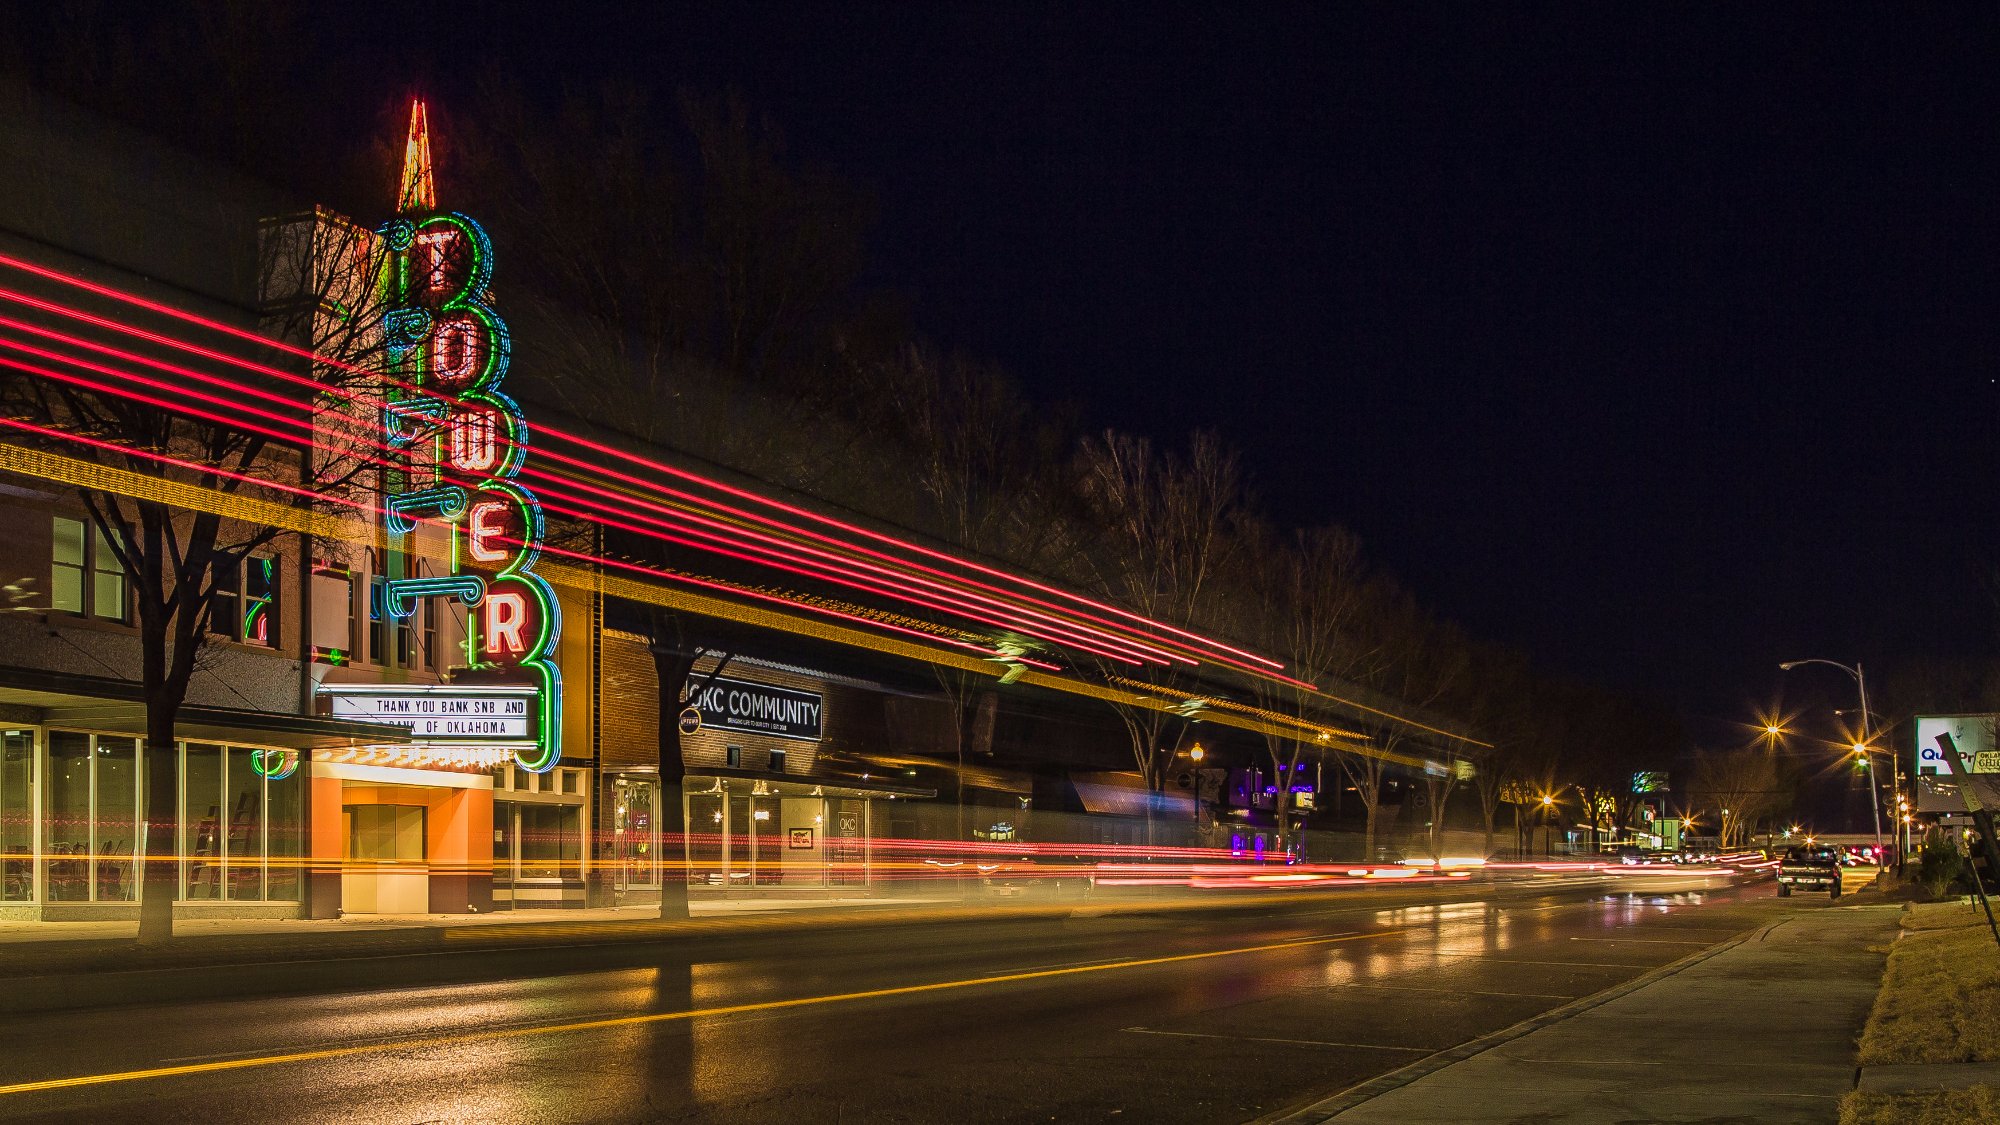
<point x="1761" y="1029"/>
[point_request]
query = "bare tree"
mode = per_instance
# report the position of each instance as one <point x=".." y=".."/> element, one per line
<point x="1414" y="660"/>
<point x="319" y="278"/>
<point x="1309" y="589"/>
<point x="1502" y="702"/>
<point x="1168" y="523"/>
<point x="981" y="470"/>
<point x="700" y="327"/>
<point x="1745" y="784"/>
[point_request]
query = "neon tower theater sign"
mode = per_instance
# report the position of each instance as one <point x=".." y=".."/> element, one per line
<point x="459" y="443"/>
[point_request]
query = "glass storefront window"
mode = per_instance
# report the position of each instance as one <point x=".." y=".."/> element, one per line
<point x="551" y="841"/>
<point x="116" y="823"/>
<point x="201" y="820"/>
<point x="633" y="829"/>
<point x="66" y="817"/>
<point x="284" y="835"/>
<point x="17" y="815"/>
<point x="243" y="847"/>
<point x="504" y="838"/>
<point x="232" y="822"/>
<point x="705" y="853"/>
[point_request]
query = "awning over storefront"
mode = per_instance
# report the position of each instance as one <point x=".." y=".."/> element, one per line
<point x="792" y="784"/>
<point x="107" y="704"/>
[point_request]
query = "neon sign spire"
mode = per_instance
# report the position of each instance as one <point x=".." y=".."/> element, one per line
<point x="418" y="192"/>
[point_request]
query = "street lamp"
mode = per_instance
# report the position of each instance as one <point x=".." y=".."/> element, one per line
<point x="1895" y="779"/>
<point x="1195" y="754"/>
<point x="1861" y="746"/>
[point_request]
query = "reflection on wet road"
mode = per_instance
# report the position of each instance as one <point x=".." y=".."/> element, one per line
<point x="1117" y="1017"/>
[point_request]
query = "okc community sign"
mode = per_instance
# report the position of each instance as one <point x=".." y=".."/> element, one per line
<point x="739" y="705"/>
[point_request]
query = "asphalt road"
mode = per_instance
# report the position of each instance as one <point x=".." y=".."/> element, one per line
<point x="1153" y="1018"/>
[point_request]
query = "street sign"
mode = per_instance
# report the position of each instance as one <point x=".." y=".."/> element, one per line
<point x="690" y="720"/>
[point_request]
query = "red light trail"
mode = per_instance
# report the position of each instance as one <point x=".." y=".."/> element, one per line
<point x="585" y="443"/>
<point x="1105" y="638"/>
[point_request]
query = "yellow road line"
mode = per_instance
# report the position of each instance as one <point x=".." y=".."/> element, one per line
<point x="651" y="1018"/>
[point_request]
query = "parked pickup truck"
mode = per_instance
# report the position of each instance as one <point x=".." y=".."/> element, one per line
<point x="1811" y="868"/>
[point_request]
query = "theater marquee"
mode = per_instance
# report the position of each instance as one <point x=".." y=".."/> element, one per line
<point x="485" y="716"/>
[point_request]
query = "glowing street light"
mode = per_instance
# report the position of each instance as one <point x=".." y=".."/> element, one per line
<point x="1861" y="745"/>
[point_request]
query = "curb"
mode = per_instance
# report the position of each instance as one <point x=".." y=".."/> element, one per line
<point x="1326" y="1109"/>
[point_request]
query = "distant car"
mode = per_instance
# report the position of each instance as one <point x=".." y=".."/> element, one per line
<point x="1813" y="868"/>
<point x="1631" y="855"/>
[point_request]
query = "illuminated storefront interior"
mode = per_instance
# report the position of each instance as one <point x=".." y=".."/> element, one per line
<point x="72" y="802"/>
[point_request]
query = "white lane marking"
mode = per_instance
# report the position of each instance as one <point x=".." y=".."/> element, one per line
<point x="1266" y="1039"/>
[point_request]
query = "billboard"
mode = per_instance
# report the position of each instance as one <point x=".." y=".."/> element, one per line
<point x="1972" y="733"/>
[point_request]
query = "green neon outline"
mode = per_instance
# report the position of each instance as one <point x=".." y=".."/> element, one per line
<point x="412" y="363"/>
<point x="289" y="760"/>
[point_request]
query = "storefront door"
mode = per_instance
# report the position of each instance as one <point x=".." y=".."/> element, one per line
<point x="635" y="846"/>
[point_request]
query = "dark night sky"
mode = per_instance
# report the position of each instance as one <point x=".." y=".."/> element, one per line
<point x="1655" y="340"/>
<point x="1661" y="345"/>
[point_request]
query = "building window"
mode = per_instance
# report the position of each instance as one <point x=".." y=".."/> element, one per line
<point x="392" y="641"/>
<point x="551" y="841"/>
<point x="244" y="604"/>
<point x="427" y="648"/>
<point x="91" y="813"/>
<point x="240" y="834"/>
<point x="777" y="761"/>
<point x="85" y="577"/>
<point x="332" y="613"/>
